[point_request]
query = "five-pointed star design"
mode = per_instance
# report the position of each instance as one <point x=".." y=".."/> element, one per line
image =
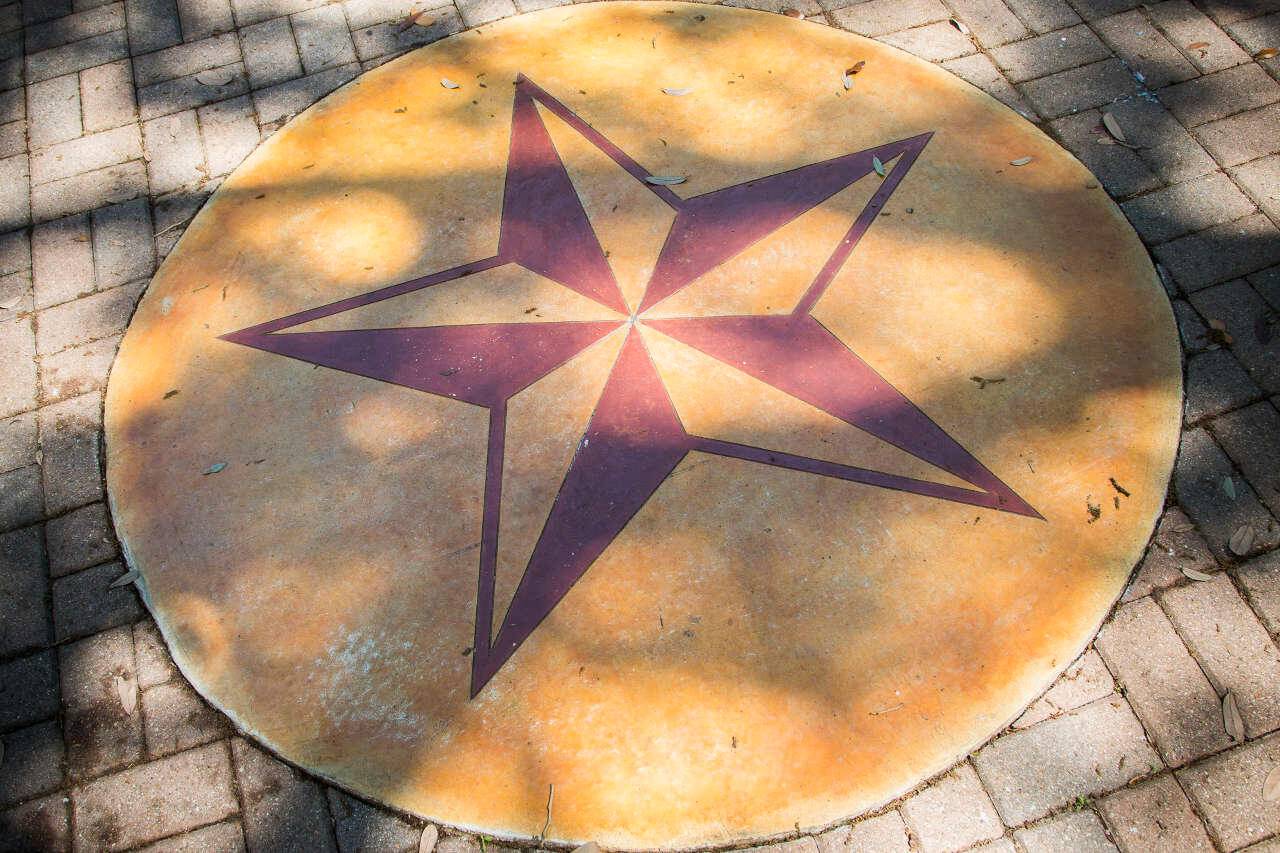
<point x="634" y="437"/>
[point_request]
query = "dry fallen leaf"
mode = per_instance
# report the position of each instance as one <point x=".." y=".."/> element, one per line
<point x="664" y="180"/>
<point x="1266" y="53"/>
<point x="791" y="13"/>
<point x="448" y="84"/>
<point x="11" y="303"/>
<point x="1196" y="575"/>
<point x="878" y="166"/>
<point x="856" y="67"/>
<point x="846" y="80"/>
<point x="1021" y="161"/>
<point x="1113" y="127"/>
<point x="678" y="92"/>
<point x="215" y="77"/>
<point x="415" y="18"/>
<point x="1271" y="785"/>
<point x="127" y="690"/>
<point x="1198" y="45"/>
<point x="1241" y="541"/>
<point x="1229" y="487"/>
<point x="959" y="25"/>
<point x="216" y="468"/>
<point x="126" y="578"/>
<point x="430" y="835"/>
<point x="1231" y="717"/>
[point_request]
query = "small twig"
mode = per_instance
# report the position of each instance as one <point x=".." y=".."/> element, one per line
<point x="551" y="795"/>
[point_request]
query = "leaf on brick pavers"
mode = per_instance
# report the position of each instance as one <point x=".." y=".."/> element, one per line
<point x="126" y="578"/>
<point x="878" y="166"/>
<point x="415" y="18"/>
<point x="1242" y="540"/>
<point x="1266" y="53"/>
<point x="792" y="13"/>
<point x="1201" y="46"/>
<point x="680" y="92"/>
<point x="215" y="77"/>
<point x="1229" y="487"/>
<point x="430" y="835"/>
<point x="448" y="84"/>
<point x="959" y="25"/>
<point x="1021" y="161"/>
<point x="1195" y="574"/>
<point x="664" y="180"/>
<point x="1271" y="785"/>
<point x="1112" y="124"/>
<point x="127" y="690"/>
<point x="215" y="468"/>
<point x="1231" y="717"/>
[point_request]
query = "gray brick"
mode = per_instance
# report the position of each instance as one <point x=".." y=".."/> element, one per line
<point x="80" y="539"/>
<point x="23" y="589"/>
<point x="123" y="245"/>
<point x="1175" y="546"/>
<point x="35" y="11"/>
<point x="1242" y="137"/>
<point x="1216" y="96"/>
<point x="281" y="807"/>
<point x="28" y="690"/>
<point x="270" y="54"/>
<point x="878" y="17"/>
<point x="225" y="837"/>
<point x="16" y="286"/>
<point x="323" y="38"/>
<point x="106" y="96"/>
<point x="1079" y="88"/>
<point x="1231" y="11"/>
<point x="1084" y="681"/>
<point x="881" y="834"/>
<point x="18" y="373"/>
<point x="72" y="446"/>
<point x="36" y="825"/>
<point x="1032" y="771"/>
<point x="196" y="90"/>
<point x="805" y="7"/>
<point x="17" y="441"/>
<point x="175" y="155"/>
<point x="935" y="42"/>
<point x="1187" y="207"/>
<point x="375" y="40"/>
<point x="289" y="99"/>
<point x="13" y="105"/>
<point x="253" y="11"/>
<point x="1216" y="383"/>
<point x="1261" y="180"/>
<point x="1254" y="34"/>
<point x="952" y="813"/>
<point x="89" y="319"/>
<point x="360" y="826"/>
<point x="1235" y="650"/>
<point x="13" y="138"/>
<point x="77" y="56"/>
<point x="100" y="736"/>
<point x="1245" y="314"/>
<point x="154" y="664"/>
<point x="1119" y="169"/>
<point x="477" y="12"/>
<point x="15" y="252"/>
<point x="1227" y="790"/>
<point x="61" y="260"/>
<point x="1070" y="832"/>
<point x="84" y="602"/>
<point x="1145" y="49"/>
<point x="15" y="194"/>
<point x="11" y="73"/>
<point x="35" y="756"/>
<point x="20" y="497"/>
<point x="1260" y="578"/>
<point x="1267" y="282"/>
<point x="990" y="20"/>
<point x="1198" y="479"/>
<point x="88" y="153"/>
<point x="230" y="132"/>
<point x="1154" y="816"/>
<point x="89" y="190"/>
<point x="55" y="110"/>
<point x="153" y="24"/>
<point x="1223" y="252"/>
<point x="154" y="800"/>
<point x="979" y="70"/>
<point x="1177" y="705"/>
<point x="174" y="211"/>
<point x="203" y="18"/>
<point x="1047" y="54"/>
<point x="177" y="719"/>
<point x="186" y="59"/>
<point x="69" y="28"/>
<point x="1044" y="15"/>
<point x="1185" y="26"/>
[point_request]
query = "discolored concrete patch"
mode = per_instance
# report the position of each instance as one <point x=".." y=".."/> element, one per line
<point x="722" y="506"/>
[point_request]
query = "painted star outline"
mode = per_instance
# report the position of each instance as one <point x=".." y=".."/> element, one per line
<point x="634" y="438"/>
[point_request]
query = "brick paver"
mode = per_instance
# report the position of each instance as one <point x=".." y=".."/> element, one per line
<point x="118" y="118"/>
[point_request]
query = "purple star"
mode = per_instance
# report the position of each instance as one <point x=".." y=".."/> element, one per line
<point x="634" y="437"/>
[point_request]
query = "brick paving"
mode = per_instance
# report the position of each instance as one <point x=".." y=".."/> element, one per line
<point x="118" y="119"/>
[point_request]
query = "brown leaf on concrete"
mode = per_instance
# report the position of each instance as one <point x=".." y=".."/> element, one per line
<point x="1266" y="53"/>
<point x="127" y="690"/>
<point x="1271" y="785"/>
<point x="430" y="835"/>
<point x="1231" y="717"/>
<point x="1241" y="541"/>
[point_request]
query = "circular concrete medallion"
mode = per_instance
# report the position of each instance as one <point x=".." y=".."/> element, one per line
<point x="464" y="453"/>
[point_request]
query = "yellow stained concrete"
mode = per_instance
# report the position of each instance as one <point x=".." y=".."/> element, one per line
<point x="760" y="648"/>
